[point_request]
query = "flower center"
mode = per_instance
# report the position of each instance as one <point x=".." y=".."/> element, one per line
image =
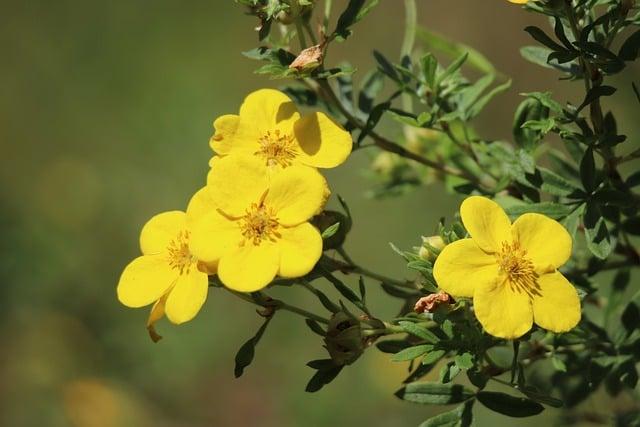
<point x="277" y="148"/>
<point x="519" y="271"/>
<point x="259" y="223"/>
<point x="180" y="257"/>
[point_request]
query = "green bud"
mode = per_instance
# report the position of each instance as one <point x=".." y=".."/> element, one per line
<point x="344" y="340"/>
<point x="326" y="219"/>
<point x="431" y="247"/>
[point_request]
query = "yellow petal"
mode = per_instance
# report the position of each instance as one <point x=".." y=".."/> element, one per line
<point x="547" y="242"/>
<point x="462" y="266"/>
<point x="235" y="182"/>
<point x="249" y="268"/>
<point x="187" y="296"/>
<point x="160" y="230"/>
<point x="518" y="1"/>
<point x="145" y="280"/>
<point x="225" y="129"/>
<point x="323" y="142"/>
<point x="213" y="236"/>
<point x="486" y="222"/>
<point x="557" y="308"/>
<point x="296" y="194"/>
<point x="266" y="110"/>
<point x="300" y="250"/>
<point x="157" y="313"/>
<point x="503" y="313"/>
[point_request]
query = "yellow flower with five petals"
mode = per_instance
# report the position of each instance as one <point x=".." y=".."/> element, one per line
<point x="270" y="128"/>
<point x="510" y="270"/>
<point x="167" y="274"/>
<point x="254" y="225"/>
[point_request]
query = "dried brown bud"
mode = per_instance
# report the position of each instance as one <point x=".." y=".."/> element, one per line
<point x="309" y="58"/>
<point x="430" y="302"/>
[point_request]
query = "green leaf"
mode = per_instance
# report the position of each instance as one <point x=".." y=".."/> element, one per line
<point x="509" y="405"/>
<point x="351" y="15"/>
<point x="553" y="183"/>
<point x="545" y="99"/>
<point x="245" y="354"/>
<point x="372" y="84"/>
<point x="433" y="356"/>
<point x="412" y="353"/>
<point x="594" y="94"/>
<point x="477" y="107"/>
<point x="341" y="287"/>
<point x="437" y="42"/>
<point x="572" y="220"/>
<point x="448" y="372"/>
<point x="434" y="393"/>
<point x="315" y="327"/>
<point x="544" y="57"/>
<point x="630" y="49"/>
<point x="550" y="209"/>
<point x="588" y="171"/>
<point x="534" y="394"/>
<point x="596" y="233"/>
<point x="543" y="38"/>
<point x="464" y="360"/>
<point x="330" y="231"/>
<point x="452" y="68"/>
<point x="461" y="416"/>
<point x="327" y="371"/>
<point x="419" y="331"/>
<point x="385" y="66"/>
<point x="429" y="66"/>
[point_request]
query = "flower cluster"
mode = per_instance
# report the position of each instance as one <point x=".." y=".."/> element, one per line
<point x="250" y="222"/>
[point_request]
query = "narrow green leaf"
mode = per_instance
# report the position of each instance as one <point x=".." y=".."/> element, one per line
<point x="588" y="171"/>
<point x="419" y="331"/>
<point x="412" y="353"/>
<point x="434" y="393"/>
<point x="509" y="405"/>
<point x="244" y="357"/>
<point x="330" y="231"/>
<point x="461" y="416"/>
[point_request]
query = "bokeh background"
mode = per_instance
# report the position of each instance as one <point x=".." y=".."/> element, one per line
<point x="105" y="114"/>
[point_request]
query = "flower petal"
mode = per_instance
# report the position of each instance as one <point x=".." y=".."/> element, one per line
<point x="557" y="309"/>
<point x="547" y="242"/>
<point x="324" y="143"/>
<point x="503" y="313"/>
<point x="160" y="230"/>
<point x="199" y="205"/>
<point x="187" y="296"/>
<point x="145" y="280"/>
<point x="235" y="182"/>
<point x="249" y="268"/>
<point x="266" y="110"/>
<point x="222" y="141"/>
<point x="462" y="266"/>
<point x="300" y="250"/>
<point x="486" y="222"/>
<point x="296" y="194"/>
<point x="157" y="313"/>
<point x="213" y="236"/>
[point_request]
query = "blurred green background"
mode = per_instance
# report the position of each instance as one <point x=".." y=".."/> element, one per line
<point x="105" y="115"/>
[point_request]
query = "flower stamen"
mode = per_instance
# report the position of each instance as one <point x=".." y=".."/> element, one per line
<point x="259" y="222"/>
<point x="518" y="270"/>
<point x="277" y="148"/>
<point x="180" y="258"/>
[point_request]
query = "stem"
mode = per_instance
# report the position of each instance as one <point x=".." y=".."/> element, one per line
<point x="407" y="43"/>
<point x="352" y="267"/>
<point x="295" y="9"/>
<point x="327" y="13"/>
<point x="278" y="305"/>
<point x="631" y="156"/>
<point x="327" y="93"/>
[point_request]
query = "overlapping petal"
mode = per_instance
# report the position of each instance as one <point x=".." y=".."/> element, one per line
<point x="213" y="236"/>
<point x="296" y="194"/>
<point x="249" y="268"/>
<point x="222" y="141"/>
<point x="323" y="142"/>
<point x="547" y="242"/>
<point x="557" y="308"/>
<point x="160" y="230"/>
<point x="462" y="266"/>
<point x="145" y="280"/>
<point x="300" y="250"/>
<point x="502" y="311"/>
<point x="187" y="296"/>
<point x="236" y="182"/>
<point x="486" y="222"/>
<point x="264" y="110"/>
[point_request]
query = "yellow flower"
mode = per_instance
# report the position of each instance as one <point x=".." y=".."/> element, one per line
<point x="255" y="226"/>
<point x="510" y="270"/>
<point x="270" y="128"/>
<point x="518" y="1"/>
<point x="167" y="273"/>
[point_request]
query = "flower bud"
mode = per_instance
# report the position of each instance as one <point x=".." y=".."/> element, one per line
<point x="309" y="59"/>
<point x="344" y="340"/>
<point x="428" y="245"/>
<point x="430" y="302"/>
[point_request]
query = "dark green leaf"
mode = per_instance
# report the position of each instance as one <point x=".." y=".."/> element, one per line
<point x="315" y="327"/>
<point x="543" y="38"/>
<point x="630" y="49"/>
<point x="244" y="357"/>
<point x="327" y="371"/>
<point x="419" y="331"/>
<point x="434" y="393"/>
<point x="588" y="171"/>
<point x="411" y="353"/>
<point x="596" y="233"/>
<point x="509" y="405"/>
<point x="550" y="209"/>
<point x="594" y="94"/>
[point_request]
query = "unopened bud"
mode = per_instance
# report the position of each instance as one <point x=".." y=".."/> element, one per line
<point x="344" y="340"/>
<point x="426" y="251"/>
<point x="430" y="302"/>
<point x="308" y="59"/>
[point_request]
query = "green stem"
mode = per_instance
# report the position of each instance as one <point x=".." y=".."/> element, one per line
<point x="327" y="13"/>
<point x="407" y="43"/>
<point x="355" y="268"/>
<point x="278" y="305"/>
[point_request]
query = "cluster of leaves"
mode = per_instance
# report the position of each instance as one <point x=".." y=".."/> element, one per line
<point x="562" y="161"/>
